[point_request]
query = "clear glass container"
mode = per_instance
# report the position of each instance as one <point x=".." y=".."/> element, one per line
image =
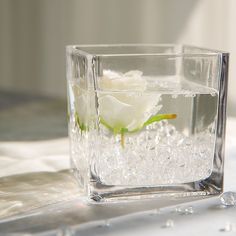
<point x="147" y="120"/>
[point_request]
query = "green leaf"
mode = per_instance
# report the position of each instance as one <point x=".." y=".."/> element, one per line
<point x="159" y="117"/>
<point x="82" y="126"/>
<point x="122" y="130"/>
<point x="103" y="122"/>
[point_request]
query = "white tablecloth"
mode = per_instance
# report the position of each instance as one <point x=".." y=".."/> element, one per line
<point x="18" y="158"/>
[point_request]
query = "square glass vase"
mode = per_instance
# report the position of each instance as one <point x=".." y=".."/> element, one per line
<point x="147" y="120"/>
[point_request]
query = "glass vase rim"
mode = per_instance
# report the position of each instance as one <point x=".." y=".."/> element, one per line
<point x="83" y="49"/>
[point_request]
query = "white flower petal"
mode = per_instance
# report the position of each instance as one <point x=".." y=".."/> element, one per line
<point x="81" y="108"/>
<point x="115" y="81"/>
<point x="84" y="102"/>
<point x="144" y="107"/>
<point x="111" y="74"/>
<point x="134" y="73"/>
<point x="123" y="101"/>
<point x="121" y="110"/>
<point x="114" y="112"/>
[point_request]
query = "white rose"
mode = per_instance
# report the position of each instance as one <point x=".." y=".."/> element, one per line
<point x="124" y="102"/>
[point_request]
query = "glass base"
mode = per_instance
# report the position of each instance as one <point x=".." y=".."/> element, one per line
<point x="118" y="194"/>
<point x="100" y="193"/>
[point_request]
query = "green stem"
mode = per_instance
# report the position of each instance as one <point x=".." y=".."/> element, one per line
<point x="122" y="131"/>
<point x="159" y="117"/>
<point x="82" y="126"/>
<point x="122" y="140"/>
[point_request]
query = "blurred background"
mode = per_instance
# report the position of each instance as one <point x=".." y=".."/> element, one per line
<point x="34" y="33"/>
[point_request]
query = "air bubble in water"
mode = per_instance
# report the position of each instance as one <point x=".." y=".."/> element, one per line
<point x="189" y="94"/>
<point x="174" y="95"/>
<point x="228" y="198"/>
<point x="187" y="142"/>
<point x="171" y="131"/>
<point x="213" y="94"/>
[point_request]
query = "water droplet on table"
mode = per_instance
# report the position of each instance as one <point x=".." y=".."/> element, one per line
<point x="178" y="209"/>
<point x="229" y="227"/>
<point x="188" y="210"/>
<point x="65" y="231"/>
<point x="105" y="223"/>
<point x="184" y="210"/>
<point x="174" y="95"/>
<point x="168" y="224"/>
<point x="228" y="198"/>
<point x="154" y="212"/>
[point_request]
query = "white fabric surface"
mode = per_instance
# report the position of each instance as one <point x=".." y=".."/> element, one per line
<point x="53" y="155"/>
<point x="35" y="156"/>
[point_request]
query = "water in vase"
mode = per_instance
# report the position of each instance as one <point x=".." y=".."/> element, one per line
<point x="135" y="130"/>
